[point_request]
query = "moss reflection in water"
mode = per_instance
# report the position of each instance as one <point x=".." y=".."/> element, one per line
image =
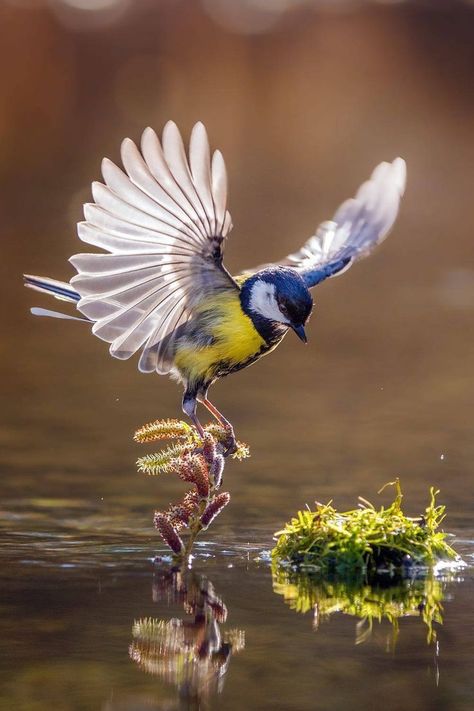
<point x="379" y="601"/>
<point x="192" y="654"/>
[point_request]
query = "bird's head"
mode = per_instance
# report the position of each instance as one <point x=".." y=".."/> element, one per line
<point x="278" y="295"/>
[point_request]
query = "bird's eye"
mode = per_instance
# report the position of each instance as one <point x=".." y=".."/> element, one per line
<point x="283" y="309"/>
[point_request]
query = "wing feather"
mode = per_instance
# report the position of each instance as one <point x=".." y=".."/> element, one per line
<point x="155" y="160"/>
<point x="128" y="245"/>
<point x="120" y="184"/>
<point x="162" y="221"/>
<point x="111" y="202"/>
<point x="161" y="234"/>
<point x="134" y="332"/>
<point x="358" y="225"/>
<point x="141" y="177"/>
<point x="219" y="188"/>
<point x="175" y="155"/>
<point x="200" y="164"/>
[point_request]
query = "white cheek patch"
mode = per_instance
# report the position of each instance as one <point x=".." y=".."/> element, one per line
<point x="263" y="302"/>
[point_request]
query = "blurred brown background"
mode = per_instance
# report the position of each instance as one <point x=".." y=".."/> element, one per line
<point x="304" y="99"/>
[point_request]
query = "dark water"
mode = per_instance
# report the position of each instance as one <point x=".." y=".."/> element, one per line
<point x="89" y="622"/>
<point x="302" y="112"/>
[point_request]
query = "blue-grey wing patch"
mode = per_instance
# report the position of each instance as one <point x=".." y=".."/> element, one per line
<point x="357" y="227"/>
<point x="162" y="222"/>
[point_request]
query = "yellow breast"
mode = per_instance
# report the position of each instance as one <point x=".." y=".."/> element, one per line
<point x="234" y="340"/>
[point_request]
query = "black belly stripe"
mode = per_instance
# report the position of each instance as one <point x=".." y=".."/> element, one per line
<point x="228" y="367"/>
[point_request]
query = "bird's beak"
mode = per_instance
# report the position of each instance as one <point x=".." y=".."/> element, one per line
<point x="300" y="332"/>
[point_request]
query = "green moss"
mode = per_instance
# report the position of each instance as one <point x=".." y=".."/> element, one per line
<point x="365" y="541"/>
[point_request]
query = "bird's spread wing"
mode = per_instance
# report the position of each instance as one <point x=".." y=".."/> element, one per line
<point x="162" y="222"/>
<point x="359" y="224"/>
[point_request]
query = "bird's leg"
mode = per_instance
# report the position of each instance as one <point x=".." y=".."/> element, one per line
<point x="189" y="409"/>
<point x="230" y="441"/>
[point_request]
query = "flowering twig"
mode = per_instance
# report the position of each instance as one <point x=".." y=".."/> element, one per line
<point x="196" y="460"/>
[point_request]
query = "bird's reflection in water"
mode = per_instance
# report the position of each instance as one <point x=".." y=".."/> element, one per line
<point x="192" y="653"/>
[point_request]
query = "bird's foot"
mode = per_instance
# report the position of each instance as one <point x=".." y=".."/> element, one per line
<point x="229" y="443"/>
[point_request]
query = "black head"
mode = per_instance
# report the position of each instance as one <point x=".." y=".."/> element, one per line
<point x="278" y="295"/>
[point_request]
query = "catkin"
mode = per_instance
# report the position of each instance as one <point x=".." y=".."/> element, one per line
<point x="168" y="532"/>
<point x="217" y="469"/>
<point x="194" y="469"/>
<point x="214" y="508"/>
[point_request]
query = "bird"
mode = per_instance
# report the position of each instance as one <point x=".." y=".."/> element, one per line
<point x="159" y="286"/>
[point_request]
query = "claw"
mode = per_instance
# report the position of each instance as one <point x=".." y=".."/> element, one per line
<point x="230" y="442"/>
<point x="231" y="449"/>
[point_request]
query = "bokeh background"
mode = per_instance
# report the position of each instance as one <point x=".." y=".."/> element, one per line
<point x="304" y="98"/>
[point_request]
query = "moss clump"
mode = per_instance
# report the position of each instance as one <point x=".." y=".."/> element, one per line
<point x="365" y="541"/>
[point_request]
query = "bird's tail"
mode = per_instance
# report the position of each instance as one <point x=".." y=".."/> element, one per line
<point x="59" y="289"/>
